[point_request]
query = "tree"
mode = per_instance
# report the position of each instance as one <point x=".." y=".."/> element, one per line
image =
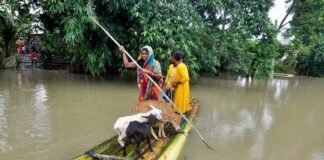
<point x="165" y="25"/>
<point x="307" y="29"/>
<point x="240" y="30"/>
<point x="217" y="36"/>
<point x="312" y="63"/>
<point x="7" y="32"/>
<point x="15" y="20"/>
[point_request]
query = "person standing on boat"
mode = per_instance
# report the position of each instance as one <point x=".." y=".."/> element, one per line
<point x="180" y="82"/>
<point x="150" y="66"/>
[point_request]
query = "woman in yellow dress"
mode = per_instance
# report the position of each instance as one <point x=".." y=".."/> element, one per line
<point x="180" y="82"/>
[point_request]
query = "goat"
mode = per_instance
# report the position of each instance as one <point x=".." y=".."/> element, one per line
<point x="168" y="114"/>
<point x="122" y="123"/>
<point x="137" y="132"/>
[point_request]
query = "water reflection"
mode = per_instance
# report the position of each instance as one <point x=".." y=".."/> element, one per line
<point x="41" y="122"/>
<point x="4" y="146"/>
<point x="230" y="130"/>
<point x="240" y="118"/>
<point x="317" y="156"/>
<point x="27" y="120"/>
<point x="39" y="112"/>
<point x="257" y="150"/>
<point x="27" y="79"/>
<point x="243" y="81"/>
<point x="280" y="86"/>
<point x="267" y="118"/>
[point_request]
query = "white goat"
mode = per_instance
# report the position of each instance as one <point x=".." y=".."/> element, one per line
<point x="122" y="123"/>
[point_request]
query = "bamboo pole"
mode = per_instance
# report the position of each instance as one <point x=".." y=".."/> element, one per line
<point x="150" y="78"/>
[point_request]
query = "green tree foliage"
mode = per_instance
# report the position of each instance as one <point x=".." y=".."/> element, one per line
<point x="7" y="32"/>
<point x="243" y="34"/>
<point x="307" y="29"/>
<point x="165" y="25"/>
<point x="232" y="36"/>
<point x="288" y="61"/>
<point x="15" y="21"/>
<point x="312" y="63"/>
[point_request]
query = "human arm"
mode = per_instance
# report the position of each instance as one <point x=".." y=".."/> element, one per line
<point x="127" y="64"/>
<point x="184" y="75"/>
<point x="156" y="73"/>
<point x="167" y="80"/>
<point x="152" y="74"/>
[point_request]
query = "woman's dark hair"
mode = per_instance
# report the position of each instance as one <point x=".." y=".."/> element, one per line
<point x="178" y="55"/>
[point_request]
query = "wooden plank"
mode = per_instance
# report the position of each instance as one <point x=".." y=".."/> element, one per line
<point x="283" y="75"/>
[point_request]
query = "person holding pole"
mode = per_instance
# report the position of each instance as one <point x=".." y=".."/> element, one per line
<point x="153" y="81"/>
<point x="149" y="66"/>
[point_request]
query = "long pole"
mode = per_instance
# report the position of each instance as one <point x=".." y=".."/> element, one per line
<point x="150" y="78"/>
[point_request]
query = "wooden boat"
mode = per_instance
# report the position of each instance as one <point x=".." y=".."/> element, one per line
<point x="164" y="149"/>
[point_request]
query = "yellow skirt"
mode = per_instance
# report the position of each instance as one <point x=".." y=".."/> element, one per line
<point x="181" y="97"/>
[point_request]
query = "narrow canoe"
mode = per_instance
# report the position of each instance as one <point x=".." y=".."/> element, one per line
<point x="164" y="149"/>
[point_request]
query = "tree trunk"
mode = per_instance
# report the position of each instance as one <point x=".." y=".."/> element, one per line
<point x="272" y="70"/>
<point x="252" y="69"/>
<point x="2" y="57"/>
<point x="5" y="53"/>
<point x="6" y="50"/>
<point x="289" y="11"/>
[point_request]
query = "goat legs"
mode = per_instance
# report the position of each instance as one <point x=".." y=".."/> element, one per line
<point x="149" y="143"/>
<point x="161" y="130"/>
<point x="153" y="134"/>
<point x="120" y="139"/>
<point x="124" y="148"/>
<point x="138" y="149"/>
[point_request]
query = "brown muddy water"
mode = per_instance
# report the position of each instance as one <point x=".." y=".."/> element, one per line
<point x="55" y="115"/>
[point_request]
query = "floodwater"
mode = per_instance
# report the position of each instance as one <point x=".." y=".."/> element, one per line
<point x="55" y="115"/>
